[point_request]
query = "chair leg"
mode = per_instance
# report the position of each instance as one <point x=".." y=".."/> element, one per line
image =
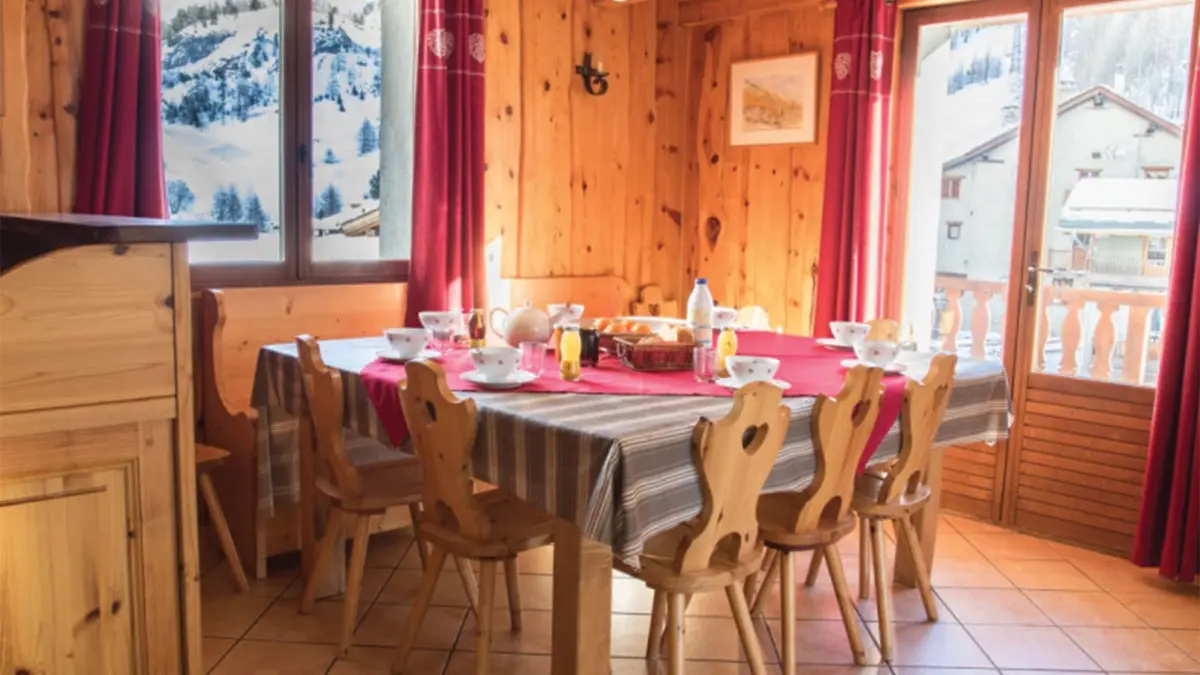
<point x="358" y="561"/>
<point x="412" y="627"/>
<point x="414" y="513"/>
<point x="511" y="580"/>
<point x="674" y="633"/>
<point x="467" y="575"/>
<point x="814" y="569"/>
<point x="333" y="530"/>
<point x="919" y="568"/>
<point x="840" y="589"/>
<point x="658" y="617"/>
<point x="483" y="617"/>
<point x="745" y="625"/>
<point x="765" y="588"/>
<point x="883" y="594"/>
<point x="217" y="514"/>
<point x="864" y="559"/>
<point x="787" y="609"/>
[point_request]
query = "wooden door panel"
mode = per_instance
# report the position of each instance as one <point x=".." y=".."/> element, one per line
<point x="970" y="479"/>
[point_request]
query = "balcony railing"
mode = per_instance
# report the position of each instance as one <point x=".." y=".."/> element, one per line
<point x="1097" y="334"/>
<point x="1078" y="260"/>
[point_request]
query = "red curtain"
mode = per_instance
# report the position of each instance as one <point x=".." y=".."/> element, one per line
<point x="119" y="162"/>
<point x="852" y="234"/>
<point x="447" y="270"/>
<point x="1168" y="533"/>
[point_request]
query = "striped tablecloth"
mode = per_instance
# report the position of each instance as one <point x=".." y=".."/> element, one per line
<point x="618" y="466"/>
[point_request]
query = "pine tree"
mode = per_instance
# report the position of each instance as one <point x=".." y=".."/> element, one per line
<point x="373" y="186"/>
<point x="330" y="158"/>
<point x="256" y="214"/>
<point x="328" y="203"/>
<point x="256" y="5"/>
<point x="368" y="139"/>
<point x="227" y="205"/>
<point x="179" y="196"/>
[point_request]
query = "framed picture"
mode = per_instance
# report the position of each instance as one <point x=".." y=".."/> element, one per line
<point x="774" y="100"/>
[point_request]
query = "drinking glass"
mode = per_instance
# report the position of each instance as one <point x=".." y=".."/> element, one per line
<point x="533" y="357"/>
<point x="704" y="359"/>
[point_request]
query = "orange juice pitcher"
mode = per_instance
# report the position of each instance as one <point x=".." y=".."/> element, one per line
<point x="727" y="346"/>
<point x="570" y="349"/>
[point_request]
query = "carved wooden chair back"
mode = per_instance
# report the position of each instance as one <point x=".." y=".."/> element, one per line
<point x="734" y="456"/>
<point x="885" y="330"/>
<point x="443" y="431"/>
<point x="323" y="390"/>
<point x="922" y="412"/>
<point x="840" y="429"/>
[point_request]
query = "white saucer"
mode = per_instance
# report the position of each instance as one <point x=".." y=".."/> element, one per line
<point x="830" y="343"/>
<point x="391" y="356"/>
<point x="891" y="369"/>
<point x="517" y="379"/>
<point x="734" y="384"/>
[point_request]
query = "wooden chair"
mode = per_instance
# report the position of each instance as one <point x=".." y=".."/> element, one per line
<point x="491" y="527"/>
<point x="720" y="547"/>
<point x="361" y="490"/>
<point x="898" y="490"/>
<point x="207" y="459"/>
<point x="886" y="330"/>
<point x="818" y="517"/>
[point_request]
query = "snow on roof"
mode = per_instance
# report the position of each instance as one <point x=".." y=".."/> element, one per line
<point x="1121" y="206"/>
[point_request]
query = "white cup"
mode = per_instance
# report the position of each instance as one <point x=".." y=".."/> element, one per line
<point x="848" y="332"/>
<point x="443" y="325"/>
<point x="407" y="342"/>
<point x="747" y="369"/>
<point x="723" y="317"/>
<point x="877" y="353"/>
<point x="562" y="314"/>
<point x="496" y="363"/>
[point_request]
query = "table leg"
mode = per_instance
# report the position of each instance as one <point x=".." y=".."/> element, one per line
<point x="582" y="633"/>
<point x="925" y="521"/>
<point x="332" y="579"/>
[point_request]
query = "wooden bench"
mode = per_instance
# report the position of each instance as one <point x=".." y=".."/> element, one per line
<point x="233" y="325"/>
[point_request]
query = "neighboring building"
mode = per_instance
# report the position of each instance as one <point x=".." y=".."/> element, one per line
<point x="1109" y="212"/>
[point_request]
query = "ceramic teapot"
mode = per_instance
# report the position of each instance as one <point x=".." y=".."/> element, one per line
<point x="522" y="324"/>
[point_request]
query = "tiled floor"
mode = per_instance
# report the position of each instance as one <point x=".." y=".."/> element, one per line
<point x="1009" y="603"/>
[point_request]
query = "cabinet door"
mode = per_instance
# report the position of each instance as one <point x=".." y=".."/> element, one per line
<point x="65" y="604"/>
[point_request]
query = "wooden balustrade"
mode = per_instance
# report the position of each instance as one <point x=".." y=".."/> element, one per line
<point x="1136" y="351"/>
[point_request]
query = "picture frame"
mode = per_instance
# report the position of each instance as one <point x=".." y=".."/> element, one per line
<point x="773" y="101"/>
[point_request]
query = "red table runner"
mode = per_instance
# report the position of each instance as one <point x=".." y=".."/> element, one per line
<point x="810" y="368"/>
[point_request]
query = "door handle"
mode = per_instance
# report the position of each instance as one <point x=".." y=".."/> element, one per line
<point x="1033" y="277"/>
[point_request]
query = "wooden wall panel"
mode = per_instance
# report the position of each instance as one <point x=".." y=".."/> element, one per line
<point x="502" y="152"/>
<point x="43" y="43"/>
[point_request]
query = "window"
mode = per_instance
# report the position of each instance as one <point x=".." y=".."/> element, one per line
<point x="1157" y="172"/>
<point x="1088" y="173"/>
<point x="951" y="187"/>
<point x="953" y="229"/>
<point x="1156" y="251"/>
<point x="274" y="114"/>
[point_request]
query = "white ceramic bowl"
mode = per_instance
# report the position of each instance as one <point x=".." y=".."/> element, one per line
<point x="565" y="314"/>
<point x="746" y="369"/>
<point x="849" y="332"/>
<point x="442" y="324"/>
<point x="876" y="352"/>
<point x="496" y="363"/>
<point x="407" y="342"/>
<point x="723" y="317"/>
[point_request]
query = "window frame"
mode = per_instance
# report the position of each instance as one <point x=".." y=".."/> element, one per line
<point x="952" y="187"/>
<point x="296" y="266"/>
<point x="953" y="230"/>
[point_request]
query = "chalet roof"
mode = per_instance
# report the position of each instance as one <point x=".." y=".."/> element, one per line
<point x="1075" y="101"/>
<point x="1121" y="206"/>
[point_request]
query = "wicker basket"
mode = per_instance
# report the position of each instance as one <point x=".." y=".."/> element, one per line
<point x="635" y="353"/>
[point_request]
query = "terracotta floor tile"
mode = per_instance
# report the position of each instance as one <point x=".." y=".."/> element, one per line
<point x="219" y="581"/>
<point x="1047" y="575"/>
<point x="1187" y="640"/>
<point x="954" y="545"/>
<point x="230" y="616"/>
<point x="1163" y="609"/>
<point x="387" y="549"/>
<point x="1117" y="575"/>
<point x="382" y="625"/>
<point x="965" y="525"/>
<point x="213" y="650"/>
<point x="629" y="635"/>
<point x="533" y="638"/>
<point x="921" y="670"/>
<point x="250" y="657"/>
<point x="374" y="579"/>
<point x="1012" y="545"/>
<point x="993" y="606"/>
<point x="1133" y="650"/>
<point x="818" y="602"/>
<point x="934" y="645"/>
<point x="1031" y="647"/>
<point x="378" y="661"/>
<point x="705" y="639"/>
<point x="967" y="573"/>
<point x="463" y="663"/>
<point x="694" y="667"/>
<point x="283" y="622"/>
<point x="907" y="606"/>
<point x="1084" y="608"/>
<point x="825" y="643"/>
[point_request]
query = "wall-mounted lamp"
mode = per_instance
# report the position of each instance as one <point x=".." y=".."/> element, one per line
<point x="594" y="79"/>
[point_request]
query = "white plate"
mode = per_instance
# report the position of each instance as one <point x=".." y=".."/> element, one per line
<point x="830" y="343"/>
<point x="391" y="356"/>
<point x="734" y="384"/>
<point x="891" y="369"/>
<point x="517" y="379"/>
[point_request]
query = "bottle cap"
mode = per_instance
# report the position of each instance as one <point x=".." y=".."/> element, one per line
<point x="701" y="281"/>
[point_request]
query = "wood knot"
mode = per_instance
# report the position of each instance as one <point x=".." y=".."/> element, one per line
<point x="713" y="231"/>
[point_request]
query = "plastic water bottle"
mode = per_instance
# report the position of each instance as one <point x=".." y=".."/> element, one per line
<point x="699" y="313"/>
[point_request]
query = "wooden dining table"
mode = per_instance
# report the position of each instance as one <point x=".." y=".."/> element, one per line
<point x="614" y="469"/>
